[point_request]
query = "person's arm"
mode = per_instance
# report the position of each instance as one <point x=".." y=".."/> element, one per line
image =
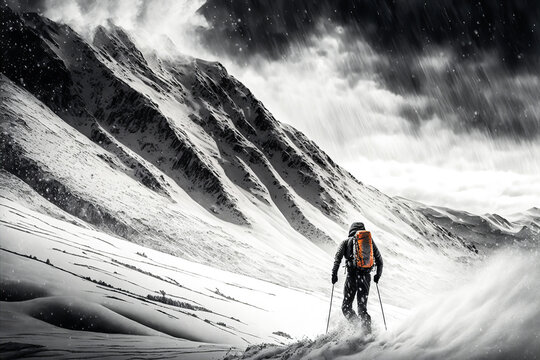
<point x="378" y="262"/>
<point x="337" y="260"/>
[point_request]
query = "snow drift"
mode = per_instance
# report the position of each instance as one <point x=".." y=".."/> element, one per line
<point x="491" y="313"/>
<point x="65" y="281"/>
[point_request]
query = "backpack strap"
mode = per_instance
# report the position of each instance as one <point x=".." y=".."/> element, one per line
<point x="349" y="252"/>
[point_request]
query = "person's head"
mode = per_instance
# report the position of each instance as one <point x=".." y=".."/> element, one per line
<point x="356" y="226"/>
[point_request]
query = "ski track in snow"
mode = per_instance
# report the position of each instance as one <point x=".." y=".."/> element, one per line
<point x="95" y="276"/>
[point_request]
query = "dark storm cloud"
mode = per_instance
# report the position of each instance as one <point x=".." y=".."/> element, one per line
<point x="490" y="83"/>
<point x="468" y="95"/>
<point x="26" y="5"/>
<point x="269" y="27"/>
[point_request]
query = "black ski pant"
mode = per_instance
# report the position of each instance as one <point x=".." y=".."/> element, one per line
<point x="357" y="284"/>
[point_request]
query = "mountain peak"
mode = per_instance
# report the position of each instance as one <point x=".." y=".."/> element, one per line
<point x="115" y="42"/>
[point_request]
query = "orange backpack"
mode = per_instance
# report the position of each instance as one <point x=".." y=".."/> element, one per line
<point x="363" y="249"/>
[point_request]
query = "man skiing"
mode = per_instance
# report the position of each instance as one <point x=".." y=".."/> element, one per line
<point x="361" y="254"/>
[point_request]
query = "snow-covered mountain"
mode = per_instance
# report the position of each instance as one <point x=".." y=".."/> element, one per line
<point x="175" y="155"/>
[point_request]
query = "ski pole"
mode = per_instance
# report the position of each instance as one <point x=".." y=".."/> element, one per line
<point x="331" y="298"/>
<point x="381" y="306"/>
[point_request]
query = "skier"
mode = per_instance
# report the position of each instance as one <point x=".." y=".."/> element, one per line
<point x="359" y="251"/>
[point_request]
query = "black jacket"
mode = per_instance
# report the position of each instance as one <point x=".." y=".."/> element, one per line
<point x="346" y="250"/>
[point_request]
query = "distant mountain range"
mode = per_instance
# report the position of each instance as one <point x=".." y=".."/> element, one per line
<point x="489" y="231"/>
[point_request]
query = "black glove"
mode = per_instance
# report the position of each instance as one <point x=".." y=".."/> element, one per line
<point x="334" y="279"/>
<point x="376" y="278"/>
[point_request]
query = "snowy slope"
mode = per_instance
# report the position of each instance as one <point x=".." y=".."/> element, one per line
<point x="93" y="189"/>
<point x="98" y="283"/>
<point x="491" y="313"/>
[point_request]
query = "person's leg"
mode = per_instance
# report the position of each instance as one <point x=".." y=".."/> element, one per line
<point x="363" y="281"/>
<point x="349" y="292"/>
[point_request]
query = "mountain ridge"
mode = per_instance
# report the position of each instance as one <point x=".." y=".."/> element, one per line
<point x="488" y="231"/>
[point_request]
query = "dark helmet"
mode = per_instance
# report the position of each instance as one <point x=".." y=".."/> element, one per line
<point x="356" y="226"/>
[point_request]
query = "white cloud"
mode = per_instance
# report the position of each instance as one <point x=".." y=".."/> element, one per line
<point x="475" y="190"/>
<point x="148" y="21"/>
<point x="362" y="129"/>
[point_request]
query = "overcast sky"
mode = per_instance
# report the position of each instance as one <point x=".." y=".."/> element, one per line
<point x="436" y="101"/>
